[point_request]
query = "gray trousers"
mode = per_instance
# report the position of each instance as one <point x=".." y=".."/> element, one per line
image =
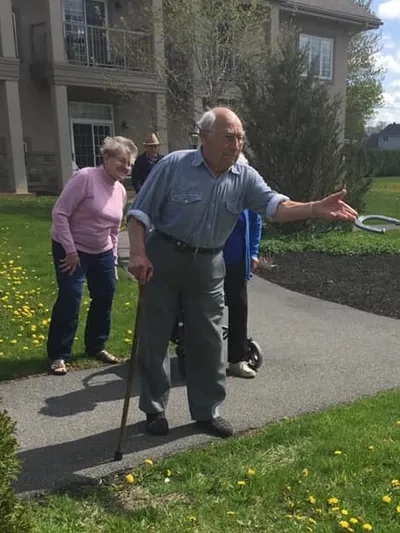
<point x="198" y="281"/>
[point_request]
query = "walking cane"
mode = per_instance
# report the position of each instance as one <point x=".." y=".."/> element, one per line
<point x="134" y="350"/>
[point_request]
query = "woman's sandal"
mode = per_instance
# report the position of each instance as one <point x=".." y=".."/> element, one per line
<point x="58" y="367"/>
<point x="107" y="357"/>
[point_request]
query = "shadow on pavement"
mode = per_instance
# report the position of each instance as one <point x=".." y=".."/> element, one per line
<point x="52" y="467"/>
<point x="106" y="385"/>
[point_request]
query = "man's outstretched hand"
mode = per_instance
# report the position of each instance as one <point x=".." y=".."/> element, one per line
<point x="333" y="207"/>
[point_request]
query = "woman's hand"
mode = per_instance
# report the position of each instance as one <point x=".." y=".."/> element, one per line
<point x="69" y="264"/>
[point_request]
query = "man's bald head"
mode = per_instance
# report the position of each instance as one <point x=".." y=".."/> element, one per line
<point x="222" y="137"/>
<point x="216" y="116"/>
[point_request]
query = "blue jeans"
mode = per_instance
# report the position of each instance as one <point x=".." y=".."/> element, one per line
<point x="99" y="271"/>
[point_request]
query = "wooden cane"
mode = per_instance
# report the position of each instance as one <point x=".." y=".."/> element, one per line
<point x="131" y="370"/>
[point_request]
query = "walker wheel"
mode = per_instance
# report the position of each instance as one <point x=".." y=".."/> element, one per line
<point x="255" y="355"/>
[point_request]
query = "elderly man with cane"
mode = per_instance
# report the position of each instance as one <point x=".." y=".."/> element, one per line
<point x="192" y="201"/>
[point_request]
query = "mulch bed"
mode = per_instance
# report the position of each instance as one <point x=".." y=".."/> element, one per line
<point x="369" y="283"/>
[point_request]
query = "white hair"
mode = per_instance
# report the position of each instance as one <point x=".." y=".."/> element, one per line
<point x="206" y="122"/>
<point x="113" y="145"/>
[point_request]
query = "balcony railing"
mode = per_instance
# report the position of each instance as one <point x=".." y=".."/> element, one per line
<point x="107" y="47"/>
<point x="96" y="46"/>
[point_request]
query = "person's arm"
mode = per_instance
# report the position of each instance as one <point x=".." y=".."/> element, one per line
<point x="145" y="209"/>
<point x="114" y="233"/>
<point x="67" y="203"/>
<point x="279" y="208"/>
<point x="255" y="230"/>
<point x="147" y="205"/>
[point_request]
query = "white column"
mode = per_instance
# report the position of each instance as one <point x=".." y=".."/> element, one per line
<point x="15" y="141"/>
<point x="159" y="55"/>
<point x="274" y="26"/>
<point x="55" y="31"/>
<point x="63" y="149"/>
<point x="7" y="45"/>
<point x="162" y="121"/>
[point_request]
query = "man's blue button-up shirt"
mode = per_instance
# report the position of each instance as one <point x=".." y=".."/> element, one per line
<point x="183" y="198"/>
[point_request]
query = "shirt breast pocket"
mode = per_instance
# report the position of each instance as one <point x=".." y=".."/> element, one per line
<point x="186" y="197"/>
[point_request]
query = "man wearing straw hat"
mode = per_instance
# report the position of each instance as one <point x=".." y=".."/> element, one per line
<point x="145" y="162"/>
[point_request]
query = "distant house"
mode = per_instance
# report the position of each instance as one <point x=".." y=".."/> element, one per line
<point x="389" y="137"/>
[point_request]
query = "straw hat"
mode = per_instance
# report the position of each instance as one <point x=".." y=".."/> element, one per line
<point x="151" y="140"/>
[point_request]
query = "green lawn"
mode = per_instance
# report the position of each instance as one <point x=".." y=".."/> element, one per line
<point x="325" y="473"/>
<point x="28" y="289"/>
<point x="382" y="199"/>
<point x="27" y="284"/>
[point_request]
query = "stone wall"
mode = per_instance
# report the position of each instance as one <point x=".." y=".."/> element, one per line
<point x="41" y="170"/>
<point x="4" y="181"/>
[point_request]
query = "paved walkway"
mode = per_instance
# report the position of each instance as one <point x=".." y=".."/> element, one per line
<point x="317" y="354"/>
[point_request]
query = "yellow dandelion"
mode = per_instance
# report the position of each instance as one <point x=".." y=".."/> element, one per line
<point x="395" y="483"/>
<point x="312" y="521"/>
<point x="335" y="509"/>
<point x="127" y="340"/>
<point x="24" y="347"/>
<point x="230" y="513"/>
<point x="312" y="500"/>
<point x="344" y="524"/>
<point x="398" y="509"/>
<point x="1" y="353"/>
<point x="169" y="472"/>
<point x="241" y="483"/>
<point x="398" y="423"/>
<point x="192" y="519"/>
<point x="1" y="340"/>
<point x="353" y="520"/>
<point x="344" y="512"/>
<point x="129" y="478"/>
<point x="251" y="472"/>
<point x="309" y="528"/>
<point x="305" y="472"/>
<point x="129" y="332"/>
<point x="367" y="527"/>
<point x="387" y="498"/>
<point x="371" y="448"/>
<point x="333" y="501"/>
<point x="13" y="341"/>
<point x="149" y="462"/>
<point x="338" y="452"/>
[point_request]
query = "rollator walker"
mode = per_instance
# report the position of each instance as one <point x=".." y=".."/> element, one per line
<point x="254" y="355"/>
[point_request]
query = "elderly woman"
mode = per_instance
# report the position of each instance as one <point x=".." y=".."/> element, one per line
<point x="86" y="221"/>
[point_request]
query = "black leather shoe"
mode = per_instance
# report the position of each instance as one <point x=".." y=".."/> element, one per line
<point x="157" y="424"/>
<point x="218" y="427"/>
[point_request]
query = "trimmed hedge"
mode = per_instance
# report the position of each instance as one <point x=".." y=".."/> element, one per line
<point x="15" y="516"/>
<point x="384" y="162"/>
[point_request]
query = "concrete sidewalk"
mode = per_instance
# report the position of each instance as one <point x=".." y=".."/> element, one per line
<point x="317" y="354"/>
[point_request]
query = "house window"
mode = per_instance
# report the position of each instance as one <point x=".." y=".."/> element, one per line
<point x="320" y="54"/>
<point x="385" y="139"/>
<point x="90" y="125"/>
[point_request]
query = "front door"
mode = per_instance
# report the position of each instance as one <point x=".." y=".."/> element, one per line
<point x="87" y="138"/>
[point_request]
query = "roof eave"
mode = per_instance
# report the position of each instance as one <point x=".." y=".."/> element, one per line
<point x="366" y="22"/>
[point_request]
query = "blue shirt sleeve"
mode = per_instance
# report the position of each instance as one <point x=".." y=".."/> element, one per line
<point x="148" y="203"/>
<point x="259" y="197"/>
<point x="255" y="230"/>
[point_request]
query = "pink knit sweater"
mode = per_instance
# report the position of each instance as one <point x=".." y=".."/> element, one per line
<point x="88" y="213"/>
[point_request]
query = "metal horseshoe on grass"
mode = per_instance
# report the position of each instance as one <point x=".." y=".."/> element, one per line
<point x="390" y="223"/>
